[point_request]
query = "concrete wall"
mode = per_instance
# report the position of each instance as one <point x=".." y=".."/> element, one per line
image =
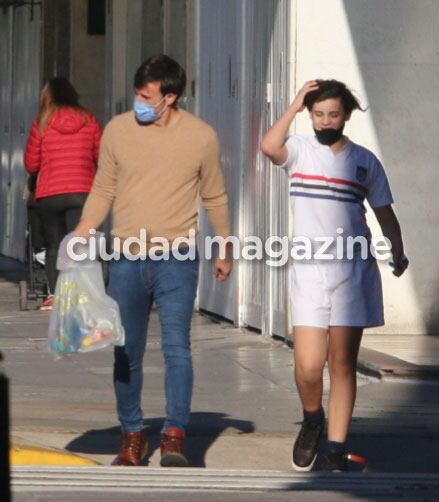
<point x="20" y="61"/>
<point x="87" y="60"/>
<point x="137" y="30"/>
<point x="387" y="52"/>
<point x="56" y="39"/>
<point x="175" y="30"/>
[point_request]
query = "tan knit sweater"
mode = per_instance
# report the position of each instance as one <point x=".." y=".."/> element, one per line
<point x="153" y="178"/>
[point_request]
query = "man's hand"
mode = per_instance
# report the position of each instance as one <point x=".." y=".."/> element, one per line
<point x="83" y="228"/>
<point x="223" y="268"/>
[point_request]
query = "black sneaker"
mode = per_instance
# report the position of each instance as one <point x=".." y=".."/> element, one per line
<point x="339" y="461"/>
<point x="306" y="445"/>
<point x="335" y="461"/>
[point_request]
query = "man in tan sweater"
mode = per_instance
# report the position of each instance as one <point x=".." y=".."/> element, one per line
<point x="155" y="162"/>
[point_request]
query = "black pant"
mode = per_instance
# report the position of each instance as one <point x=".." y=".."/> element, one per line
<point x="60" y="214"/>
<point x="37" y="241"/>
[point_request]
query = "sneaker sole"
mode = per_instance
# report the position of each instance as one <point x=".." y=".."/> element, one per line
<point x="174" y="460"/>
<point x="307" y="468"/>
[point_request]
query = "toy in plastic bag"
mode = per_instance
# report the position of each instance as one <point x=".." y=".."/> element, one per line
<point x="84" y="317"/>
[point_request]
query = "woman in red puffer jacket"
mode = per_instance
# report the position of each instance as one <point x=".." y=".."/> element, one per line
<point x="63" y="149"/>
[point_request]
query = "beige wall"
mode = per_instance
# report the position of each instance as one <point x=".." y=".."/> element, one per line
<point x="87" y="60"/>
<point x="387" y="52"/>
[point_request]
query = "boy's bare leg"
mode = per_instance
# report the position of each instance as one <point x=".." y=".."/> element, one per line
<point x="310" y="353"/>
<point x="344" y="344"/>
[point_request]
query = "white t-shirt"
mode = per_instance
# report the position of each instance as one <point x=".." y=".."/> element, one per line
<point x="328" y="190"/>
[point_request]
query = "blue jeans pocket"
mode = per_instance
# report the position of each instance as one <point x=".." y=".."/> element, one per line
<point x="172" y="274"/>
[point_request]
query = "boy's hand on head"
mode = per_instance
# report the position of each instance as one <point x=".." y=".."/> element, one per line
<point x="273" y="142"/>
<point x="299" y="101"/>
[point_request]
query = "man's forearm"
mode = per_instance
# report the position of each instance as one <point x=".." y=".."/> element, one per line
<point x="218" y="214"/>
<point x="94" y="213"/>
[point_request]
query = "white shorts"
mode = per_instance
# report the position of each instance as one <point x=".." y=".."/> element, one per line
<point x="336" y="294"/>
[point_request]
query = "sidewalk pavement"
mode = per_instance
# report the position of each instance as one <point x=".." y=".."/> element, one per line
<point x="246" y="411"/>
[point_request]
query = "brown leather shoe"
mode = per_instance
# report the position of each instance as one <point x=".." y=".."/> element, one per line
<point x="171" y="449"/>
<point x="133" y="448"/>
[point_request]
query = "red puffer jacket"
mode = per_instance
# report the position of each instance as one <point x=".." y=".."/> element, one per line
<point x="65" y="154"/>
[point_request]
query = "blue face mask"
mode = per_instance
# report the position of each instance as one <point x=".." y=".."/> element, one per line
<point x="145" y="113"/>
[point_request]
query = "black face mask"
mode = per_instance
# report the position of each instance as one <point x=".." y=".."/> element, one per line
<point x="329" y="136"/>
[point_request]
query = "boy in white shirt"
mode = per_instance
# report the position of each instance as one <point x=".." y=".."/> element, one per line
<point x="332" y="301"/>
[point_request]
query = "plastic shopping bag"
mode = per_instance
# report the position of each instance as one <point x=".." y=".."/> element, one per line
<point x="84" y="317"/>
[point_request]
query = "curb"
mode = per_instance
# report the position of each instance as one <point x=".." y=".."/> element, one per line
<point x="379" y="365"/>
<point x="30" y="455"/>
<point x="126" y="480"/>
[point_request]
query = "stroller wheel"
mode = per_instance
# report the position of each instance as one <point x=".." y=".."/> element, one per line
<point x="23" y="295"/>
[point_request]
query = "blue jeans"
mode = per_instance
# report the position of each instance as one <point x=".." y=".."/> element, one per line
<point x="172" y="285"/>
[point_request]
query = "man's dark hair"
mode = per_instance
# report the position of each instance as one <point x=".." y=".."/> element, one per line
<point x="333" y="89"/>
<point x="161" y="69"/>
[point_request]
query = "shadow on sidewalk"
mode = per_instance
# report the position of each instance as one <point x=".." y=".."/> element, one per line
<point x="12" y="270"/>
<point x="203" y="431"/>
<point x="393" y="443"/>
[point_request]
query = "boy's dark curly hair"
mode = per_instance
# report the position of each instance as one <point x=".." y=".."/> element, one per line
<point x="333" y="89"/>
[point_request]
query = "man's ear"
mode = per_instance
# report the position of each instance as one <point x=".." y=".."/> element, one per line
<point x="170" y="99"/>
<point x="348" y="116"/>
